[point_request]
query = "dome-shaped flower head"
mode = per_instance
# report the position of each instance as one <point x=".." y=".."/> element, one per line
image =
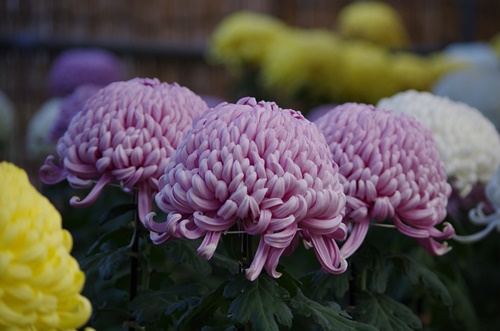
<point x="390" y="169"/>
<point x="243" y="38"/>
<point x="40" y="282"/>
<point x="76" y="67"/>
<point x="70" y="106"/>
<point x="468" y="142"/>
<point x="373" y="21"/>
<point x="268" y="167"/>
<point x="125" y="132"/>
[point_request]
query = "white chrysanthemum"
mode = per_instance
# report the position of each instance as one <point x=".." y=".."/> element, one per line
<point x="39" y="127"/>
<point x="468" y="142"/>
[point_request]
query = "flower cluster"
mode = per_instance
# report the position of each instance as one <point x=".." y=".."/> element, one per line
<point x="40" y="282"/>
<point x="372" y="21"/>
<point x="76" y="67"/>
<point x="390" y="169"/>
<point x="125" y="132"/>
<point x="260" y="166"/>
<point x="468" y="143"/>
<point x="320" y="64"/>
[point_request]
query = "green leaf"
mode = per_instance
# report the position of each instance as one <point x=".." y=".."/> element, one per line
<point x="288" y="281"/>
<point x="116" y="211"/>
<point x="368" y="258"/>
<point x="325" y="283"/>
<point x="260" y="302"/>
<point x="196" y="317"/>
<point x="225" y="262"/>
<point x="419" y="274"/>
<point x="151" y="305"/>
<point x="183" y="251"/>
<point x="385" y="313"/>
<point x="106" y="262"/>
<point x="330" y="317"/>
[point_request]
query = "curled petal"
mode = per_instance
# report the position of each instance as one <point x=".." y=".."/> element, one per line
<point x="50" y="173"/>
<point x="478" y="235"/>
<point x="328" y="254"/>
<point x="94" y="194"/>
<point x="209" y="244"/>
<point x="355" y="239"/>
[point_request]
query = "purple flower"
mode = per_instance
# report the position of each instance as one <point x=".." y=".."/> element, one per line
<point x="77" y="67"/>
<point x="70" y="106"/>
<point x="390" y="168"/>
<point x="264" y="166"/>
<point x="125" y="132"/>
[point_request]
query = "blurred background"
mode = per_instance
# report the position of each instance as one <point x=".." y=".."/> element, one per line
<point x="168" y="39"/>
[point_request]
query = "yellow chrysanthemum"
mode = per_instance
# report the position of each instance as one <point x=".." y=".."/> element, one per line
<point x="243" y="37"/>
<point x="373" y="21"/>
<point x="364" y="71"/>
<point x="303" y="60"/>
<point x="40" y="282"/>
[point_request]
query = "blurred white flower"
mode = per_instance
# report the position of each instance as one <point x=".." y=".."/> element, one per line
<point x="475" y="87"/>
<point x="39" y="128"/>
<point x="477" y="54"/>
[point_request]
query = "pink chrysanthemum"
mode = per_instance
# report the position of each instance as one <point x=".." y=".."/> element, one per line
<point x="390" y="168"/>
<point x="125" y="132"/>
<point x="266" y="166"/>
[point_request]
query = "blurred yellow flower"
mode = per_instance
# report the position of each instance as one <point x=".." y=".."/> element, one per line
<point x="302" y="61"/>
<point x="40" y="282"/>
<point x="243" y="37"/>
<point x="372" y="21"/>
<point x="495" y="43"/>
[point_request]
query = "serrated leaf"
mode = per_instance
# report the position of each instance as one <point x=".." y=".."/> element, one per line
<point x="195" y="318"/>
<point x="116" y="211"/>
<point x="106" y="262"/>
<point x="324" y="283"/>
<point x="260" y="302"/>
<point x="151" y="305"/>
<point x="385" y="313"/>
<point x="288" y="281"/>
<point x="419" y="274"/>
<point x="330" y="317"/>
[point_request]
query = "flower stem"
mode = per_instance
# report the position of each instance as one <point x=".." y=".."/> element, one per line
<point x="134" y="258"/>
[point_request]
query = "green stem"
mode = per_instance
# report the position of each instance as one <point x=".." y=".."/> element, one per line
<point x="134" y="267"/>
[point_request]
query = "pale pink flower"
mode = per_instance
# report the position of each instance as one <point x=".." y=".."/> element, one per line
<point x="125" y="132"/>
<point x="390" y="169"/>
<point x="268" y="167"/>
